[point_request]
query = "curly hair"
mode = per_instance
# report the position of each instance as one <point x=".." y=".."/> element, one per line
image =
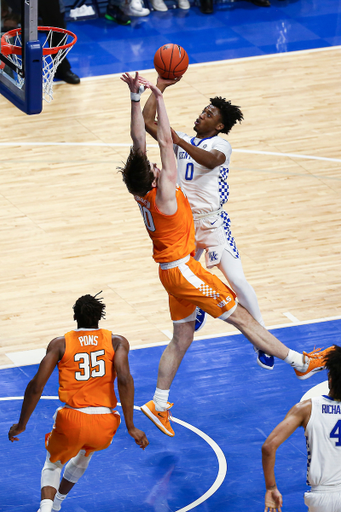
<point x="230" y="113"/>
<point x="333" y="364"/>
<point x="88" y="311"/>
<point x="137" y="173"/>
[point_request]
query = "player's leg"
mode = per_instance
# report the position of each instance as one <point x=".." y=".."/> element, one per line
<point x="305" y="365"/>
<point x="231" y="266"/>
<point x="50" y="480"/>
<point x="232" y="269"/>
<point x="157" y="409"/>
<point x="74" y="470"/>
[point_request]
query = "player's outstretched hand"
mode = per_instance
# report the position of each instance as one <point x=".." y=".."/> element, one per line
<point x="150" y="86"/>
<point x="139" y="436"/>
<point x="273" y="501"/>
<point x="132" y="82"/>
<point x="14" y="431"/>
<point x="167" y="81"/>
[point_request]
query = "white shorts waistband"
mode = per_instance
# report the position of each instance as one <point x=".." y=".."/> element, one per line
<point x="92" y="410"/>
<point x="326" y="488"/>
<point x="173" y="264"/>
<point x="197" y="216"/>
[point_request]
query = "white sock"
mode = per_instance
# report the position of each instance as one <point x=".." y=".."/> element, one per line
<point x="296" y="360"/>
<point x="58" y="500"/>
<point x="160" y="399"/>
<point x="46" y="505"/>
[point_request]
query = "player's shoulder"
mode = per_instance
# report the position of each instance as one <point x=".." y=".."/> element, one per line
<point x="119" y="342"/>
<point x="219" y="140"/>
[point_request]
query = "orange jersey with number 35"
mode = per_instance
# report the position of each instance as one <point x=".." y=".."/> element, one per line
<point x="86" y="371"/>
<point x="173" y="236"/>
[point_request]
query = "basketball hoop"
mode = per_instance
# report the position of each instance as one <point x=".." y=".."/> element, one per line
<point x="11" y="47"/>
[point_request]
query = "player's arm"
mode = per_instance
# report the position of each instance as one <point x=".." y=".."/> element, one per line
<point x="137" y="127"/>
<point x="149" y="110"/>
<point x="125" y="384"/>
<point x="166" y="185"/>
<point x="209" y="159"/>
<point x="298" y="416"/>
<point x="35" y="387"/>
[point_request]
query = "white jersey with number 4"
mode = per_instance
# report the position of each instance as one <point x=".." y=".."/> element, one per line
<point x="323" y="436"/>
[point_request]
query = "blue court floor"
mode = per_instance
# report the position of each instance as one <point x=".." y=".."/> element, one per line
<point x="236" y="29"/>
<point x="220" y="391"/>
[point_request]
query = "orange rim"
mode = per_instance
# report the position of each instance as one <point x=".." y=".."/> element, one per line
<point x="10" y="49"/>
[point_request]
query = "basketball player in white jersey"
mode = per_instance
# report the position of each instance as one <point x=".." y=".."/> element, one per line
<point x="203" y="166"/>
<point x="321" y="418"/>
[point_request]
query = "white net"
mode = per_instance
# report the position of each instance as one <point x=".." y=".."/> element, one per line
<point x="51" y="61"/>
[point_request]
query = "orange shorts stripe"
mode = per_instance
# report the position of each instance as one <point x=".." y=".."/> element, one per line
<point x="74" y="431"/>
<point x="190" y="285"/>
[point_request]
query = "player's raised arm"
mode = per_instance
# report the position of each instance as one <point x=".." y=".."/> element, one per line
<point x="166" y="185"/>
<point x="137" y="126"/>
<point x="149" y="110"/>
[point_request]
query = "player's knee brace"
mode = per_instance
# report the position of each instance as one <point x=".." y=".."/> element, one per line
<point x="76" y="467"/>
<point x="50" y="475"/>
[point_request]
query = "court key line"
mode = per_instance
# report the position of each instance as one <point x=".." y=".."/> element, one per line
<point x="123" y="145"/>
<point x="222" y="464"/>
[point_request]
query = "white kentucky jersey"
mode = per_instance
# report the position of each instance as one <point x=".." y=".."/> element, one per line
<point x="323" y="437"/>
<point x="207" y="189"/>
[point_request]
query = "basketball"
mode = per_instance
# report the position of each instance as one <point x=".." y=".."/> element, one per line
<point x="171" y="61"/>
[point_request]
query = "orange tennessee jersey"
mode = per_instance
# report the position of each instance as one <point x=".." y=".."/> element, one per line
<point x="86" y="371"/>
<point x="173" y="236"/>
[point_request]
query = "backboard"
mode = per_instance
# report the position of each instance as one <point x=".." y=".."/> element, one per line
<point x="21" y="82"/>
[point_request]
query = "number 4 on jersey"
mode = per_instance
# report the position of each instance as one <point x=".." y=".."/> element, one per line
<point x="336" y="433"/>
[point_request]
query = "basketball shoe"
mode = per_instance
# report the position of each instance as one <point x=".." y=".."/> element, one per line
<point x="316" y="362"/>
<point x="135" y="8"/>
<point x="265" y="360"/>
<point x="184" y="4"/>
<point x="159" y="418"/>
<point x="200" y="319"/>
<point x="159" y="5"/>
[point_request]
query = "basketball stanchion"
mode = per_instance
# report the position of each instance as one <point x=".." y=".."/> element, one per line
<point x="53" y="54"/>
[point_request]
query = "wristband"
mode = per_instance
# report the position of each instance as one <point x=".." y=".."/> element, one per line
<point x="136" y="96"/>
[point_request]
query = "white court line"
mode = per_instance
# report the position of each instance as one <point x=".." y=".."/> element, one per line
<point x="196" y="338"/>
<point x="291" y="317"/>
<point x="222" y="464"/>
<point x="123" y="145"/>
<point x="220" y="62"/>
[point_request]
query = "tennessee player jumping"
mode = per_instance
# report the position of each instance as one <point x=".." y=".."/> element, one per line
<point x="88" y="360"/>
<point x="169" y="222"/>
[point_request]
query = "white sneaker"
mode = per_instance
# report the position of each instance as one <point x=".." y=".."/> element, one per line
<point x="135" y="8"/>
<point x="159" y="5"/>
<point x="184" y="4"/>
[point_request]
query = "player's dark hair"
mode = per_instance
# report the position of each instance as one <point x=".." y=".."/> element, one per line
<point x="88" y="311"/>
<point x="230" y="113"/>
<point x="137" y="173"/>
<point x="333" y="365"/>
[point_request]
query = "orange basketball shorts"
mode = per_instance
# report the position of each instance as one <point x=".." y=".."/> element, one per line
<point x="74" y="431"/>
<point x="190" y="285"/>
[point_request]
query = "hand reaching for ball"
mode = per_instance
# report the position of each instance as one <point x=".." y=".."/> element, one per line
<point x="149" y="85"/>
<point x="132" y="82"/>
